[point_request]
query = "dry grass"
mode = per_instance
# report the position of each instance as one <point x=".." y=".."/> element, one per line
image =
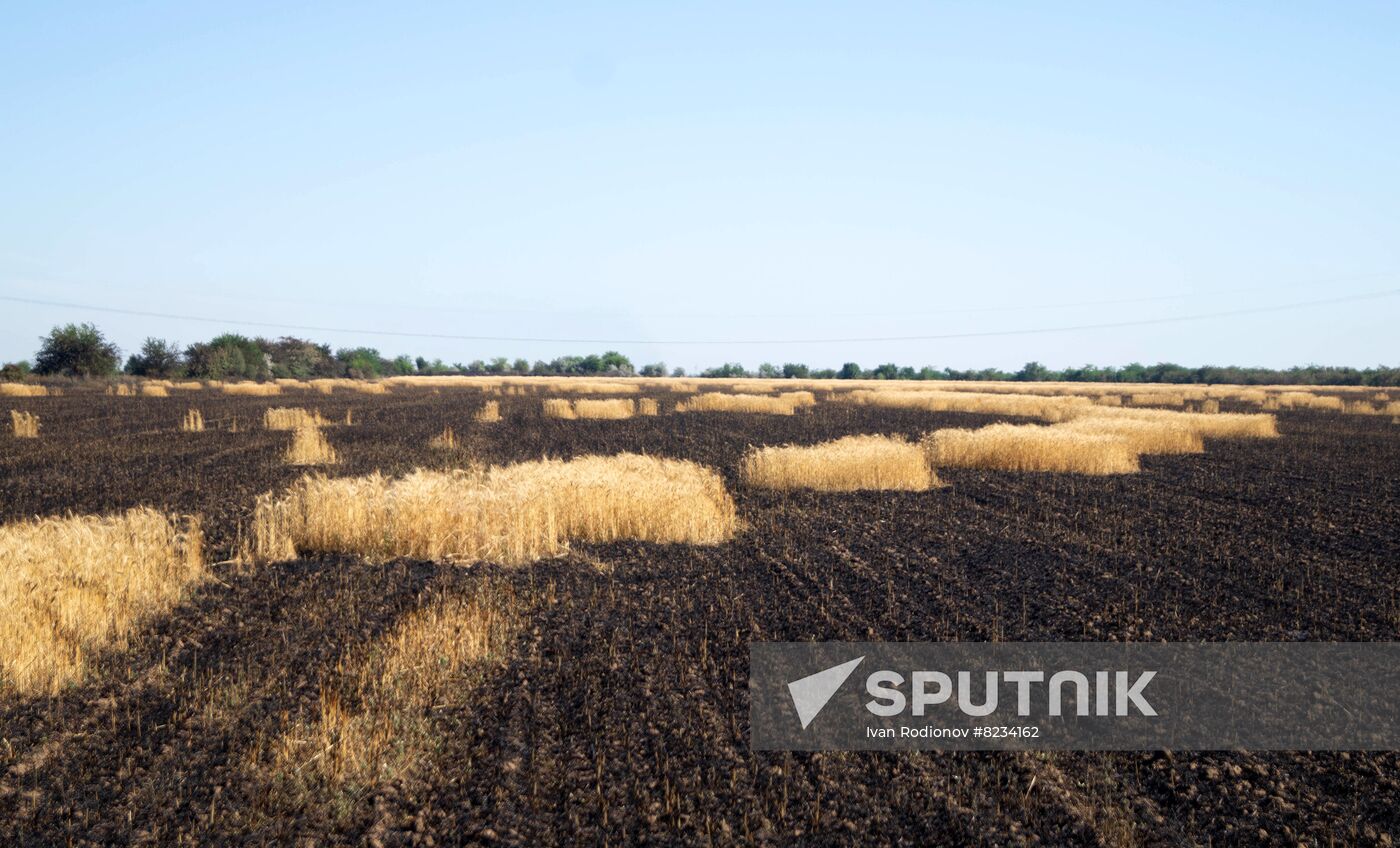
<point x="309" y="447"/>
<point x="252" y="389"/>
<point x="722" y="402"/>
<point x="511" y="514"/>
<point x="121" y="390"/>
<point x="1031" y="447"/>
<point x="648" y="406"/>
<point x="290" y="418"/>
<point x="558" y="408"/>
<point x="1224" y="425"/>
<point x="22" y="390"/>
<point x="375" y="721"/>
<point x="843" y="465"/>
<point x="1209" y="406"/>
<point x="446" y="440"/>
<point x="154" y="390"/>
<point x="25" y="425"/>
<point x="1151" y="436"/>
<point x="365" y="388"/>
<point x="72" y="587"/>
<point x="489" y="413"/>
<point x="1108" y="400"/>
<point x="193" y="422"/>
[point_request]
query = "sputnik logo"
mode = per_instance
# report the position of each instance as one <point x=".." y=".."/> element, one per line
<point x="811" y="693"/>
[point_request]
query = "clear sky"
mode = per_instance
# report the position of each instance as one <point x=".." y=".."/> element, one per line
<point x="704" y="171"/>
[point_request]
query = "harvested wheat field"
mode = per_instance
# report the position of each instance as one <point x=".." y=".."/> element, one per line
<point x="541" y="635"/>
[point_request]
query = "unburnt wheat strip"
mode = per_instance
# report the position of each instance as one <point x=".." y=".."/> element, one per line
<point x="1058" y="408"/>
<point x="843" y="465"/>
<point x="1153" y="436"/>
<point x="290" y="418"/>
<point x="489" y="413"/>
<point x="723" y="402"/>
<point x="1223" y="425"/>
<point x="511" y="514"/>
<point x="73" y="586"/>
<point x="1031" y="447"/>
<point x="310" y="447"/>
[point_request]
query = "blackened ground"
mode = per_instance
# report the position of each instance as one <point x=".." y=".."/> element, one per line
<point x="621" y="714"/>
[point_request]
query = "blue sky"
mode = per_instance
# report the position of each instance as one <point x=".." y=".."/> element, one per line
<point x="710" y="172"/>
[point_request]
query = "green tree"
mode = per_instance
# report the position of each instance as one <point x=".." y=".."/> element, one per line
<point x="850" y="371"/>
<point x="361" y="362"/>
<point x="1034" y="372"/>
<point x="76" y="350"/>
<point x="158" y="358"/>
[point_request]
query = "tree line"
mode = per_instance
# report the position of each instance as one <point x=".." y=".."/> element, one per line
<point x="81" y="350"/>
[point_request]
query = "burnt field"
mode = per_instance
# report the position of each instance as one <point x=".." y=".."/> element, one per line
<point x="616" y="709"/>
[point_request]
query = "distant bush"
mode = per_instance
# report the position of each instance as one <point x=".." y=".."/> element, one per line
<point x="13" y="372"/>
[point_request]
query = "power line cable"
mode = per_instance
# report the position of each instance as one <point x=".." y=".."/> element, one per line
<point x="1256" y="310"/>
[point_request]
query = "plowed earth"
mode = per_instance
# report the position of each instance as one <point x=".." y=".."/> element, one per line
<point x="620" y="712"/>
